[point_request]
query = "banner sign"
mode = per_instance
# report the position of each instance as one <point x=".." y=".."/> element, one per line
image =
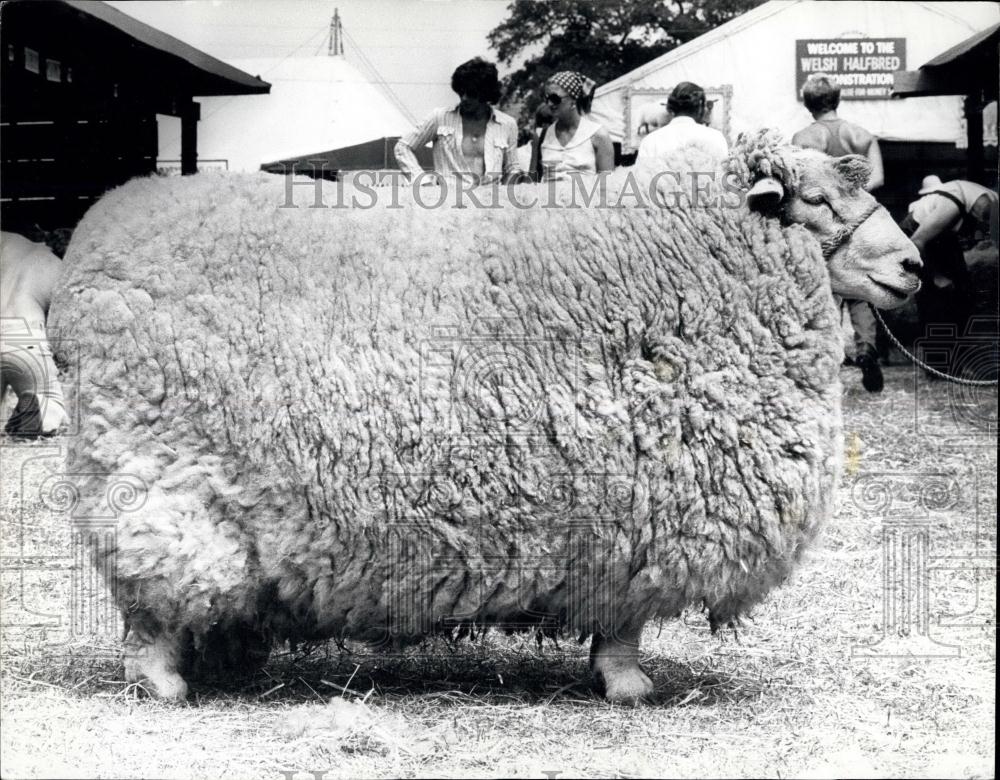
<point x="863" y="67"/>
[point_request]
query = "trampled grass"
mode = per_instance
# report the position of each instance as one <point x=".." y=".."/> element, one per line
<point x="804" y="689"/>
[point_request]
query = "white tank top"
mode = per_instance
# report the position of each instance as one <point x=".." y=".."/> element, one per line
<point x="577" y="155"/>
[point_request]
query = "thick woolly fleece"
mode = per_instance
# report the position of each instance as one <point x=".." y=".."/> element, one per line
<point x="379" y="423"/>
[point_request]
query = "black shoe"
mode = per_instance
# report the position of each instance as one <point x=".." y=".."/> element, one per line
<point x="26" y="419"/>
<point x="871" y="372"/>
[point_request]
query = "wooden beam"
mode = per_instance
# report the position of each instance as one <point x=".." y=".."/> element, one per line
<point x="190" y="114"/>
<point x="929" y="81"/>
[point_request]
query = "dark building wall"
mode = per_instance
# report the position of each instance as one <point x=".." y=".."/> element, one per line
<point x="69" y="130"/>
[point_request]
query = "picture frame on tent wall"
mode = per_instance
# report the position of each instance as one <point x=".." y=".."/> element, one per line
<point x="640" y="100"/>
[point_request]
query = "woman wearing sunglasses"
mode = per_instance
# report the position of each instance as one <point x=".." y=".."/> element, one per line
<point x="574" y="141"/>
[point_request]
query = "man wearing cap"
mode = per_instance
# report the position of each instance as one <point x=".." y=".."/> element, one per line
<point x="934" y="222"/>
<point x="28" y="275"/>
<point x="951" y="206"/>
<point x="686" y="108"/>
<point x="837" y="137"/>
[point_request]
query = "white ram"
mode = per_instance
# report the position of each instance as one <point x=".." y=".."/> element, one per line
<point x="383" y="423"/>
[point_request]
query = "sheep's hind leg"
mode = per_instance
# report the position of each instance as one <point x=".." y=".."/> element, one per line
<point x="153" y="661"/>
<point x="614" y="662"/>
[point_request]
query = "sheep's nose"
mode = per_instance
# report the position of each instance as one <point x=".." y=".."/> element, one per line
<point x="912" y="264"/>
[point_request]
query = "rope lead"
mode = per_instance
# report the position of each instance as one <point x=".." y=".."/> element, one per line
<point x="922" y="364"/>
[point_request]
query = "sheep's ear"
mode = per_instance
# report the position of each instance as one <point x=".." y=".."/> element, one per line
<point x="765" y="194"/>
<point x="854" y="169"/>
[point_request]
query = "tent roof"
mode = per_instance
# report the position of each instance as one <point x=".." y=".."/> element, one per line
<point x="723" y="31"/>
<point x="373" y="155"/>
<point x="955" y="71"/>
<point x="985" y="38"/>
<point x="316" y="103"/>
<point x="97" y="25"/>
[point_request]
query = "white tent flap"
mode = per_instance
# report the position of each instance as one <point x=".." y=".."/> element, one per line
<point x="316" y="104"/>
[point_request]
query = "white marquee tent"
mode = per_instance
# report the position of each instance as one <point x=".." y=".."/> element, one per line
<point x="756" y="54"/>
<point x="316" y="104"/>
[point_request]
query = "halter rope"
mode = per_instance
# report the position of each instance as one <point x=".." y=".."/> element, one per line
<point x="922" y="364"/>
<point x="834" y="243"/>
<point x="843" y="235"/>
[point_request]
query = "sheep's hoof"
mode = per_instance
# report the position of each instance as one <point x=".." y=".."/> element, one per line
<point x="614" y="661"/>
<point x="168" y="687"/>
<point x="153" y="664"/>
<point x="628" y="685"/>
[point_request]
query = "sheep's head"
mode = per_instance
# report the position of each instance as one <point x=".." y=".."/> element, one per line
<point x="868" y="256"/>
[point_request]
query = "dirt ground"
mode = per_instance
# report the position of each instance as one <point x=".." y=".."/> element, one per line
<point x="877" y="659"/>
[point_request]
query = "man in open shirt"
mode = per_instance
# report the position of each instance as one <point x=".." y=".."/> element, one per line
<point x="487" y="152"/>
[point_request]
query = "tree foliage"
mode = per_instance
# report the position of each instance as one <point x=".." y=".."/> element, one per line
<point x="602" y="39"/>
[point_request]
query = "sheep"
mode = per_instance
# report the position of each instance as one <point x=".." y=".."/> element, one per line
<point x="28" y="274"/>
<point x="651" y="116"/>
<point x="383" y="423"/>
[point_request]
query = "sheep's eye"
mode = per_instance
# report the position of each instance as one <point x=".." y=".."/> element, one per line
<point x="813" y="199"/>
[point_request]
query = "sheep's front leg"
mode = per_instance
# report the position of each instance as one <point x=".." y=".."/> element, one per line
<point x="614" y="662"/>
<point x="153" y="661"/>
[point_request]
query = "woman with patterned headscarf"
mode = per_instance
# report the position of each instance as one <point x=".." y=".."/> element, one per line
<point x="574" y="141"/>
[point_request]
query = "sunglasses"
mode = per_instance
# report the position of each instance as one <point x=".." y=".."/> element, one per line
<point x="553" y="99"/>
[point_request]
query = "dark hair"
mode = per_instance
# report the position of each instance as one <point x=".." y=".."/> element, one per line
<point x="687" y="99"/>
<point x="543" y="115"/>
<point x="477" y="78"/>
<point x="820" y="93"/>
